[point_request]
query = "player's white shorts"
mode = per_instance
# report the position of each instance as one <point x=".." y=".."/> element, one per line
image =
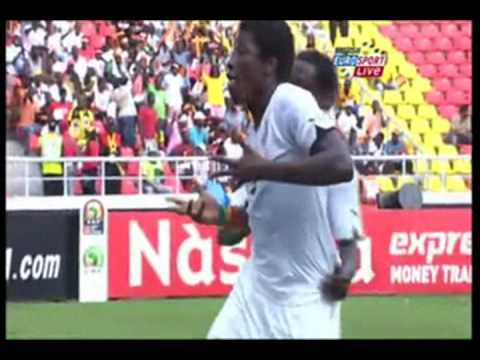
<point x="256" y="317"/>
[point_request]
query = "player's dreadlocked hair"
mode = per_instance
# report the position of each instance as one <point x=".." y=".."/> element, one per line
<point x="326" y="74"/>
<point x="274" y="39"/>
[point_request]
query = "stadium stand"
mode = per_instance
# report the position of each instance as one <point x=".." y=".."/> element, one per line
<point x="429" y="65"/>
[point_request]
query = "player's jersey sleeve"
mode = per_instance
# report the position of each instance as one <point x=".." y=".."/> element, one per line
<point x="343" y="210"/>
<point x="300" y="117"/>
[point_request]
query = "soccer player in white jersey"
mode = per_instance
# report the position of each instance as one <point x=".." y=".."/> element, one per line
<point x="316" y="73"/>
<point x="279" y="291"/>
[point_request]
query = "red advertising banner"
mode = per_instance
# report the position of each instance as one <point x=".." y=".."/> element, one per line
<point x="424" y="251"/>
<point x="157" y="254"/>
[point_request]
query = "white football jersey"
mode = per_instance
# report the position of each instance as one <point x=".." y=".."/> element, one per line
<point x="293" y="247"/>
<point x="344" y="210"/>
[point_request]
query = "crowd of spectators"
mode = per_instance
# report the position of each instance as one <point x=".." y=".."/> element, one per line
<point x="90" y="88"/>
<point x="153" y="88"/>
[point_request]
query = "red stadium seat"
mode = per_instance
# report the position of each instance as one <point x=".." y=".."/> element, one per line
<point x="464" y="84"/>
<point x="466" y="29"/>
<point x="423" y="44"/>
<point x="457" y="97"/>
<point x="449" y="70"/>
<point x="138" y="141"/>
<point x="466" y="70"/>
<point x="449" y="29"/>
<point x="448" y="111"/>
<point x="430" y="30"/>
<point x="98" y="186"/>
<point x="466" y="149"/>
<point x="443" y="43"/>
<point x="436" y="57"/>
<point x="420" y="23"/>
<point x="457" y="57"/>
<point x="463" y="43"/>
<point x="390" y="30"/>
<point x="77" y="187"/>
<point x="126" y="151"/>
<point x="435" y="97"/>
<point x="442" y="84"/>
<point x="409" y="30"/>
<point x="133" y="168"/>
<point x="87" y="28"/>
<point x="170" y="180"/>
<point x="416" y="57"/>
<point x="100" y="128"/>
<point x="428" y="70"/>
<point x="128" y="187"/>
<point x="404" y="44"/>
<point x="34" y="143"/>
<point x="469" y="56"/>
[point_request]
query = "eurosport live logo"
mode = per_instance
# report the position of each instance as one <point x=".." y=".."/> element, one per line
<point x="367" y="66"/>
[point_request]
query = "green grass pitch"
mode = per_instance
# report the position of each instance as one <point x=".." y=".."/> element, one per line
<point x="363" y="317"/>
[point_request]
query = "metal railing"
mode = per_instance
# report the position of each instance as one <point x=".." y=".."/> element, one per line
<point x="419" y="177"/>
<point x="183" y="168"/>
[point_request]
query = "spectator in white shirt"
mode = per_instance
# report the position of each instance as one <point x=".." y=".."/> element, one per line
<point x="54" y="89"/>
<point x="127" y="112"/>
<point x="80" y="64"/>
<point x="103" y="95"/>
<point x="186" y="119"/>
<point x="346" y="121"/>
<point x="174" y="82"/>
<point x="123" y="50"/>
<point x="60" y="66"/>
<point x="232" y="149"/>
<point x="74" y="38"/>
<point x="107" y="50"/>
<point x="26" y="28"/>
<point x="40" y="92"/>
<point x="37" y="35"/>
<point x="35" y="62"/>
<point x="98" y="64"/>
<point x="63" y="26"/>
<point x="54" y="40"/>
<point x="236" y="118"/>
<point x="164" y="54"/>
<point x="15" y="56"/>
<point x="119" y="69"/>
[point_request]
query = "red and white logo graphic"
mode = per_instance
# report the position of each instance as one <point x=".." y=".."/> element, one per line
<point x="161" y="254"/>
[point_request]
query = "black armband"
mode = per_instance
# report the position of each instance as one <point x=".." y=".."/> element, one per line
<point x="318" y="145"/>
<point x="346" y="242"/>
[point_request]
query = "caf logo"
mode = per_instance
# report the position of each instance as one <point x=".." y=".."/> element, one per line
<point x="93" y="218"/>
<point x="93" y="258"/>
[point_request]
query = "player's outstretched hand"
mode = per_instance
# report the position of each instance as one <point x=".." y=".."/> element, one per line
<point x="248" y="168"/>
<point x="204" y="209"/>
<point x="335" y="287"/>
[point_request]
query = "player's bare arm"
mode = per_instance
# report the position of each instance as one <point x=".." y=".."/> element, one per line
<point x="229" y="236"/>
<point x="329" y="163"/>
<point x="206" y="210"/>
<point x="336" y="286"/>
<point x="232" y="221"/>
